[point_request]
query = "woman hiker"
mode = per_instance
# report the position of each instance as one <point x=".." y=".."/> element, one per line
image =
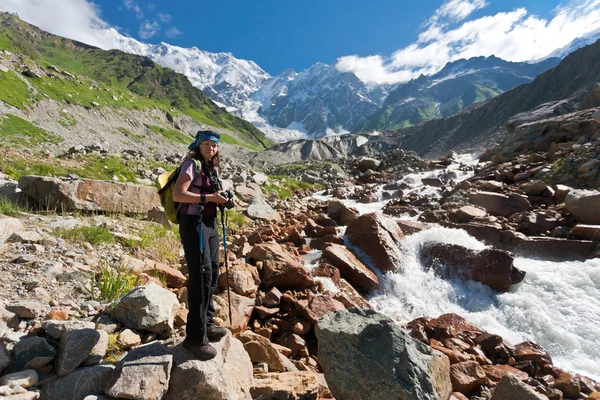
<point x="199" y="197"/>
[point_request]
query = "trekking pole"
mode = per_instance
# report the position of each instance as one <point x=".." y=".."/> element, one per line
<point x="226" y="263"/>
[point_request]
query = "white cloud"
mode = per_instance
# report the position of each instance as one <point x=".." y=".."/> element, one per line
<point x="513" y="35"/>
<point x="164" y="17"/>
<point x="149" y="29"/>
<point x="79" y="19"/>
<point x="173" y="32"/>
<point x="132" y="5"/>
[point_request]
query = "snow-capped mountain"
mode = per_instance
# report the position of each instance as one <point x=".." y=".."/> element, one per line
<point x="576" y="44"/>
<point x="313" y="103"/>
<point x="319" y="101"/>
<point x="224" y="78"/>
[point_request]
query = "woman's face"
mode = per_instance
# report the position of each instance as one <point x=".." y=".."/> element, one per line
<point x="208" y="149"/>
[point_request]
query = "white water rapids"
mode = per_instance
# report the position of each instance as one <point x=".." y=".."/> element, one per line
<point x="556" y="306"/>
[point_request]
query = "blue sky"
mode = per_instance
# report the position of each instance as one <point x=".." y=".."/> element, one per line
<point x="381" y="41"/>
<point x="290" y="34"/>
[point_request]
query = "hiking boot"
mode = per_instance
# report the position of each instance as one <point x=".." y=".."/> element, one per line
<point x="203" y="352"/>
<point x="215" y="333"/>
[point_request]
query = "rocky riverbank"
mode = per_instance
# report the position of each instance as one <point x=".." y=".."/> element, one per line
<point x="298" y="267"/>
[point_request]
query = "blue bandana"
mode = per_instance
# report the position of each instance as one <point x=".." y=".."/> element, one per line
<point x="201" y="136"/>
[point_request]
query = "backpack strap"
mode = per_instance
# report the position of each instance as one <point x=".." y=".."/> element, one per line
<point x="197" y="175"/>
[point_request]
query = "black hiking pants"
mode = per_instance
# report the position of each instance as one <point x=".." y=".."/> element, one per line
<point x="201" y="286"/>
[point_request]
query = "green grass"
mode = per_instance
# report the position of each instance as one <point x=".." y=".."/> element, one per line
<point x="158" y="242"/>
<point x="113" y="283"/>
<point x="171" y="134"/>
<point x="93" y="235"/>
<point x="11" y="209"/>
<point x="17" y="131"/>
<point x="13" y="90"/>
<point x="231" y="140"/>
<point x="109" y="78"/>
<point x="114" y="350"/>
<point x="235" y="221"/>
<point x="287" y="186"/>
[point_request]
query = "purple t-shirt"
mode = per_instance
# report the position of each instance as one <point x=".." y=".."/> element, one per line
<point x="210" y="209"/>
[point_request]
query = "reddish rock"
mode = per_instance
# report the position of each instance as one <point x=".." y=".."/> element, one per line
<point x="327" y="271"/>
<point x="500" y="204"/>
<point x="379" y="237"/>
<point x="435" y="182"/>
<point x="243" y="279"/>
<point x="586" y="231"/>
<point x="349" y="297"/>
<point x="410" y="227"/>
<point x="265" y="312"/>
<point x="488" y="341"/>
<point x="454" y="356"/>
<point x="466" y="377"/>
<point x="280" y="269"/>
<point x="302" y="327"/>
<point x="296" y="237"/>
<point x="568" y="384"/>
<point x="319" y="243"/>
<point x="493" y="268"/>
<point x="496" y="372"/>
<point x="241" y="310"/>
<point x="320" y="305"/>
<point x="272" y="299"/>
<point x="60" y="315"/>
<point x="255" y="238"/>
<point x="341" y="213"/>
<point x="468" y="213"/>
<point x="450" y="325"/>
<point x="325" y="220"/>
<point x="354" y="271"/>
<point x="458" y="396"/>
<point x="172" y="276"/>
<point x="532" y="352"/>
<point x="180" y="317"/>
<point x="293" y="342"/>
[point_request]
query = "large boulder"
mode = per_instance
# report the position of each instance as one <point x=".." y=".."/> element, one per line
<point x="340" y="213"/>
<point x="258" y="208"/>
<point x="148" y="308"/>
<point x="79" y="384"/>
<point x="584" y="205"/>
<point x="491" y="267"/>
<point x="89" y="195"/>
<point x="279" y="268"/>
<point x="379" y="237"/>
<point x="352" y="269"/>
<point x="243" y="279"/>
<point x="144" y="373"/>
<point x="500" y="204"/>
<point x="366" y="356"/>
<point x="228" y="376"/>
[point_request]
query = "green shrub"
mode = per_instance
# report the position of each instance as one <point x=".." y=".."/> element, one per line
<point x="92" y="234"/>
<point x="17" y="131"/>
<point x="113" y="283"/>
<point x="11" y="209"/>
<point x="114" y="350"/>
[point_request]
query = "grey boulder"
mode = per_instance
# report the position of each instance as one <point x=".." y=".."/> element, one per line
<point x="366" y="356"/>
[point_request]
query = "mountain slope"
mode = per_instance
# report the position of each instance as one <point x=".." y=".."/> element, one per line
<point x="457" y="86"/>
<point x="574" y="78"/>
<point x="319" y="101"/>
<point x="151" y="84"/>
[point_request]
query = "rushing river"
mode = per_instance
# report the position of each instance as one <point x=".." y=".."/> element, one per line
<point x="557" y="305"/>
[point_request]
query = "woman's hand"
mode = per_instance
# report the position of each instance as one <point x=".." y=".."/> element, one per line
<point x="216" y="198"/>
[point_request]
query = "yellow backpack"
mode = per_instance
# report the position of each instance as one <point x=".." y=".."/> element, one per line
<point x="165" y="183"/>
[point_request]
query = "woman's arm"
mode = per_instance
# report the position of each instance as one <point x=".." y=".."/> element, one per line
<point x="181" y="193"/>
